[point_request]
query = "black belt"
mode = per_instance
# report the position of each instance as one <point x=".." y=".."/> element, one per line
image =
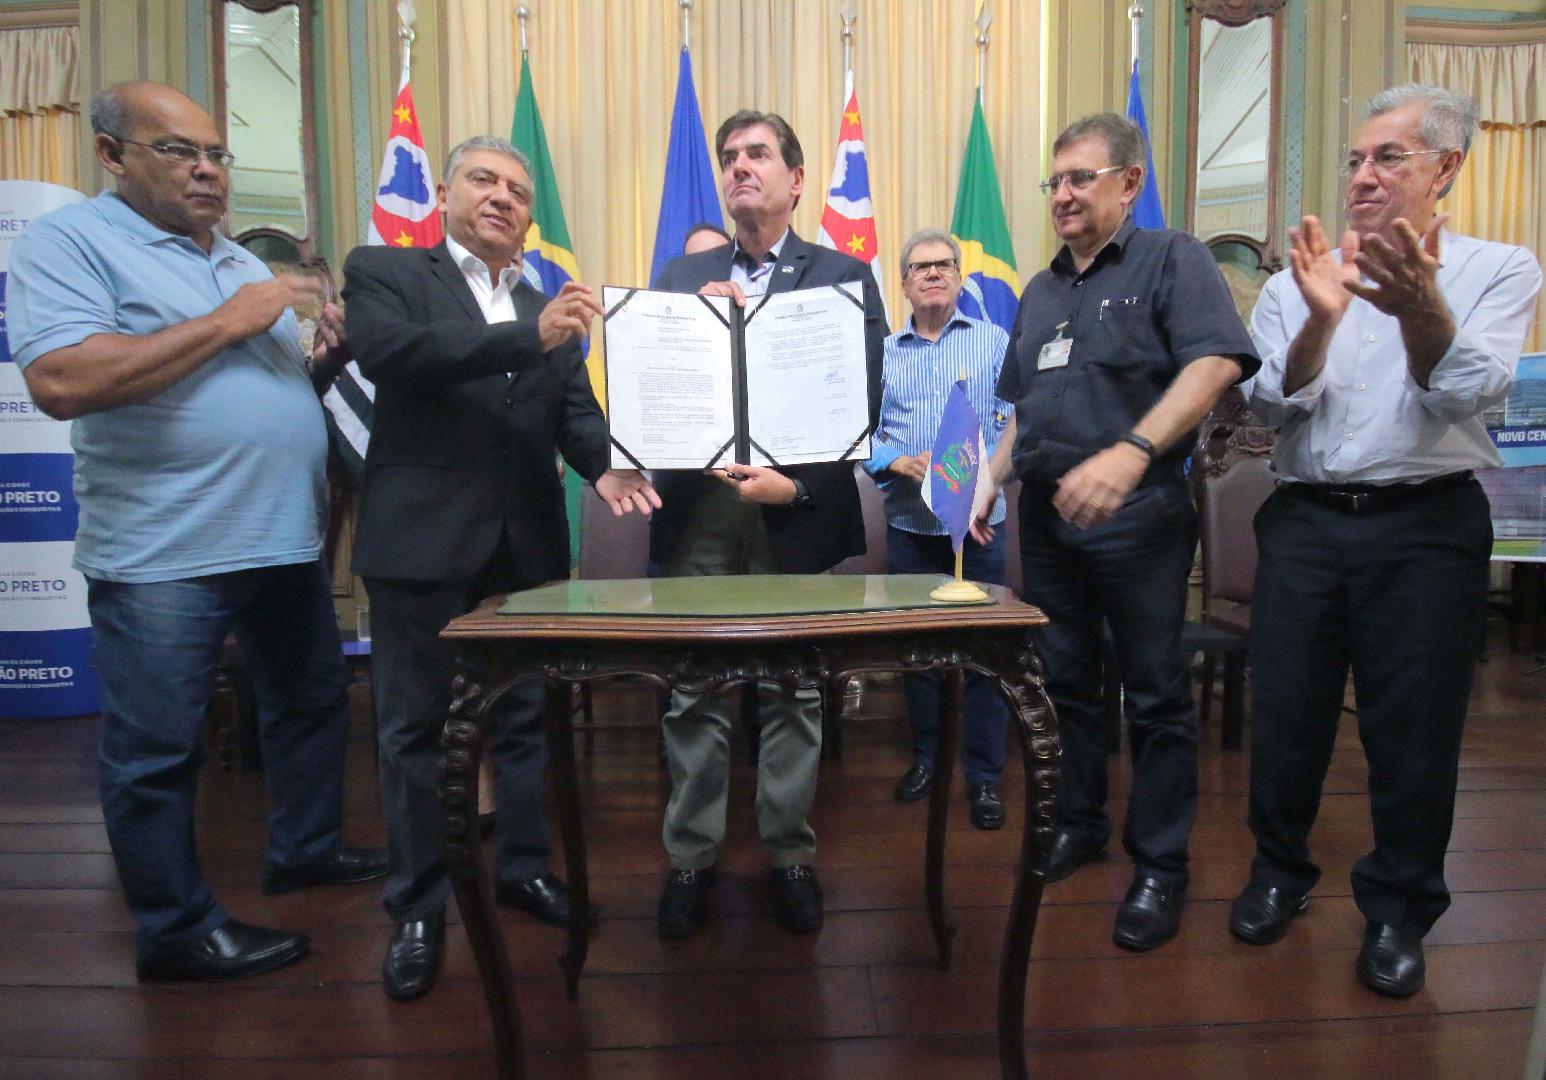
<point x="1364" y="498"/>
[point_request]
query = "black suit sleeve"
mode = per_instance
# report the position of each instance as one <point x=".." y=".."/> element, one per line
<point x="582" y="429"/>
<point x="393" y="349"/>
<point x="874" y="344"/>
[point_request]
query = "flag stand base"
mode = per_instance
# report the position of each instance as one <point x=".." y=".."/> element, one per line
<point x="958" y="592"/>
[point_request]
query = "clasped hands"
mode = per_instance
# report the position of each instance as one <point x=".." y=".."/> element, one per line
<point x="1088" y="494"/>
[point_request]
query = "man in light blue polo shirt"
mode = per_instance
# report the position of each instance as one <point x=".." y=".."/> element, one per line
<point x="923" y="361"/>
<point x="199" y="456"/>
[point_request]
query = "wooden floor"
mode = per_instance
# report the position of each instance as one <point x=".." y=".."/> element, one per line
<point x="743" y="999"/>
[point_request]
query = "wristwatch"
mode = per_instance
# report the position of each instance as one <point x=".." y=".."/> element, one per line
<point x="1132" y="438"/>
<point x="802" y="494"/>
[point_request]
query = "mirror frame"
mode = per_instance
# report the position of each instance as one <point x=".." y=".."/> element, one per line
<point x="1237" y="13"/>
<point x="306" y="245"/>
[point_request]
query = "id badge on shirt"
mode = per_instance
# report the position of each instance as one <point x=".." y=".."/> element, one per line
<point x="1054" y="354"/>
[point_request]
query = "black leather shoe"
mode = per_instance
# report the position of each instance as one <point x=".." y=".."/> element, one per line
<point x="233" y="950"/>
<point x="344" y="867"/>
<point x="915" y="783"/>
<point x="544" y="896"/>
<point x="796" y="898"/>
<point x="413" y="958"/>
<point x="1261" y="913"/>
<point x="987" y="809"/>
<point x="1149" y="916"/>
<point x="683" y="902"/>
<point x="1067" y="854"/>
<point x="1390" y="962"/>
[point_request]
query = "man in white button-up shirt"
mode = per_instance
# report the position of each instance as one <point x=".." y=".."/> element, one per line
<point x="1378" y="360"/>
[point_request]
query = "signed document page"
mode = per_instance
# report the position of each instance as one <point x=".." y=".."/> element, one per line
<point x="806" y="389"/>
<point x="670" y="385"/>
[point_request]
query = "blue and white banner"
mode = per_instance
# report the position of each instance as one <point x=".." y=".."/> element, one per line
<point x="45" y="638"/>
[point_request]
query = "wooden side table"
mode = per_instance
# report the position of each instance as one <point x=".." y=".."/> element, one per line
<point x="697" y="634"/>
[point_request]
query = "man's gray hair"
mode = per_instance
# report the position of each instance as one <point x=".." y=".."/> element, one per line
<point x="109" y="114"/>
<point x="929" y="236"/>
<point x="1448" y="122"/>
<point x="484" y="142"/>
<point x="1125" y="144"/>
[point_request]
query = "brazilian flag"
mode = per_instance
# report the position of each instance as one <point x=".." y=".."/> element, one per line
<point x="990" y="283"/>
<point x="550" y="257"/>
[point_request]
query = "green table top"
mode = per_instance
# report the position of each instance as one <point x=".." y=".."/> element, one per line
<point x="750" y="594"/>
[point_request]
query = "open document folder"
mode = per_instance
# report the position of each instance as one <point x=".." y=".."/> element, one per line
<point x="696" y="382"/>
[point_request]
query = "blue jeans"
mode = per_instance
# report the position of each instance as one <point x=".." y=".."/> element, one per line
<point x="983" y="713"/>
<point x="156" y="646"/>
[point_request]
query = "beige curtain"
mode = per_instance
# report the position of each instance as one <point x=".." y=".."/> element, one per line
<point x="605" y="74"/>
<point x="1499" y="194"/>
<point x="39" y="105"/>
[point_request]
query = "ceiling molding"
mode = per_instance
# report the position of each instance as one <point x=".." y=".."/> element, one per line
<point x="34" y="16"/>
<point x="1447" y="32"/>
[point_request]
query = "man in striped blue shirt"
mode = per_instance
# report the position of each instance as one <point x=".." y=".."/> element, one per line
<point x="922" y="361"/>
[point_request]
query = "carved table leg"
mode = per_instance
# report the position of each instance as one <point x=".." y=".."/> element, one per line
<point x="464" y="735"/>
<point x="940" y="919"/>
<point x="1037" y="728"/>
<point x="566" y="794"/>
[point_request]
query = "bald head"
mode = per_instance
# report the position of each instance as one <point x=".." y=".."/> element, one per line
<point x="141" y="131"/>
<point x="118" y="109"/>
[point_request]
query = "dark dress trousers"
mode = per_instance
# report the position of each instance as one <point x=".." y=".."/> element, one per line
<point x="1151" y="302"/>
<point x="462" y="499"/>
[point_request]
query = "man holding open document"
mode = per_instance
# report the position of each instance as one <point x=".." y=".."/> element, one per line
<point x="752" y="518"/>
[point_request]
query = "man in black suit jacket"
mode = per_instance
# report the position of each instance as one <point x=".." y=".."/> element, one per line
<point x="479" y="380"/>
<point x="747" y="520"/>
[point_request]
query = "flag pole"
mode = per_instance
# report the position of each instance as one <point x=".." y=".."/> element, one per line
<point x="1134" y="16"/>
<point x="848" y="16"/>
<point x="960" y="591"/>
<point x="522" y="13"/>
<point x="984" y="20"/>
<point x="686" y="6"/>
<point x="405" y="19"/>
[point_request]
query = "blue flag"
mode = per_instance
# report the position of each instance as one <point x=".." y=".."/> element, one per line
<point x="690" y="195"/>
<point x="954" y="464"/>
<point x="1148" y="211"/>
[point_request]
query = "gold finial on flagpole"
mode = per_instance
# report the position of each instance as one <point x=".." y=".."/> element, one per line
<point x="522" y="13"/>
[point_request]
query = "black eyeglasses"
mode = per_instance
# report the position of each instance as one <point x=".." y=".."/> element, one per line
<point x="1385" y="162"/>
<point x="946" y="267"/>
<point x="1076" y="179"/>
<point x="184" y="154"/>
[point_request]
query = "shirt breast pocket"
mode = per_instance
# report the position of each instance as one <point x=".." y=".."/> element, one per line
<point x="1124" y="337"/>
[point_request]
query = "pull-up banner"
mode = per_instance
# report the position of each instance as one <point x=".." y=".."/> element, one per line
<point x="45" y="638"/>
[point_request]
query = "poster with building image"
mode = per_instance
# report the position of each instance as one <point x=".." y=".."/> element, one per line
<point x="1518" y="489"/>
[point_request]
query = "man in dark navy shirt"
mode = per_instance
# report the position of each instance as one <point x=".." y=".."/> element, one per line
<point x="1120" y="347"/>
